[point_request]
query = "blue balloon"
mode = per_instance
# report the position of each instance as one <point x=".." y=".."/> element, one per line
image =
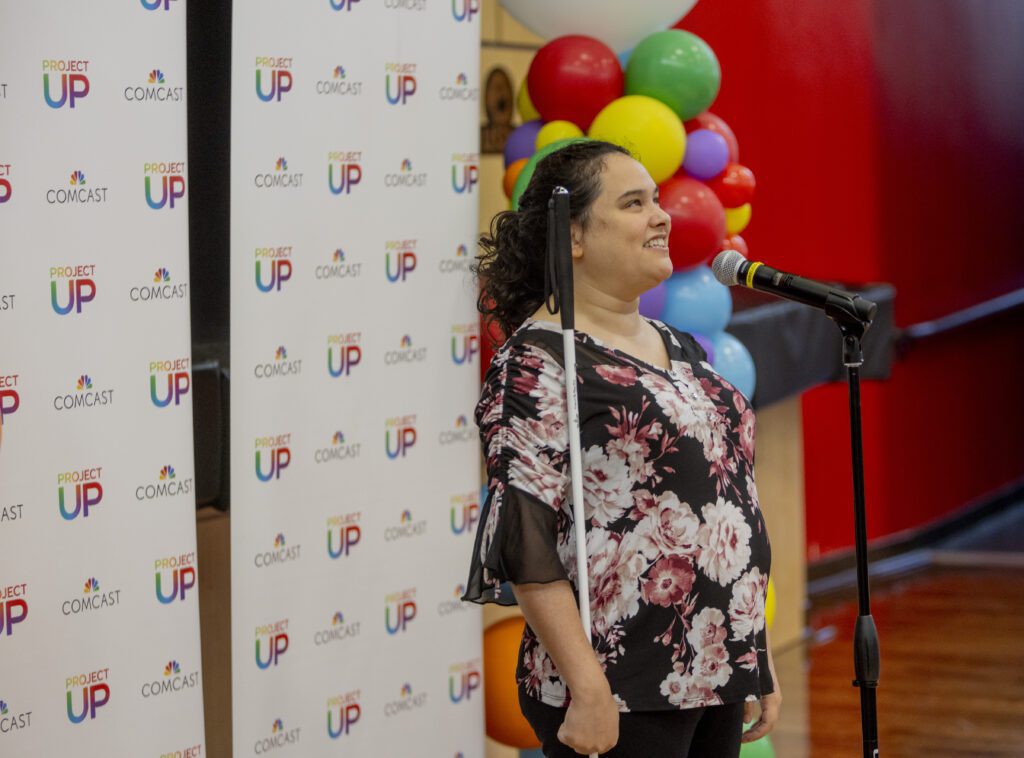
<point x="535" y="753"/>
<point x="652" y="302"/>
<point x="733" y="362"/>
<point x="624" y="58"/>
<point x="697" y="302"/>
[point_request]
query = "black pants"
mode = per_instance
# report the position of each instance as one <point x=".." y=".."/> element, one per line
<point x="711" y="732"/>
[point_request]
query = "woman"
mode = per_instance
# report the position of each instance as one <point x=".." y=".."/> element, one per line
<point x="677" y="550"/>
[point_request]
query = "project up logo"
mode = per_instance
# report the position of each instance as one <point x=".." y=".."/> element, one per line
<point x="13" y="607"/>
<point x="399" y="435"/>
<point x="465" y="172"/>
<point x="463" y="513"/>
<point x="343" y="534"/>
<point x="399" y="610"/>
<point x="164" y="184"/>
<point x="78" y="492"/>
<point x="65" y="82"/>
<point x="79" y="283"/>
<point x="465" y="343"/>
<point x="175" y="577"/>
<point x="344" y="171"/>
<point x="344" y="353"/>
<point x="399" y="82"/>
<point x="343" y="712"/>
<point x="464" y="10"/>
<point x="273" y="456"/>
<point x="169" y="381"/>
<point x="6" y="188"/>
<point x="273" y="78"/>
<point x="399" y="259"/>
<point x="10" y="399"/>
<point x="271" y="643"/>
<point x="273" y="267"/>
<point x="86" y="694"/>
<point x="463" y="680"/>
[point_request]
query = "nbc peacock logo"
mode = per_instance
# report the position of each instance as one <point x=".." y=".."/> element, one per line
<point x="407" y="701"/>
<point x="84" y="383"/>
<point x="461" y="431"/>
<point x="460" y="91"/>
<point x="274" y="78"/>
<point x="407" y="527"/>
<point x="454" y="604"/>
<point x="405" y="177"/>
<point x="174" y="681"/>
<point x="343" y="712"/>
<point x="279" y="178"/>
<point x="340" y="449"/>
<point x="281" y="367"/>
<point x="282" y="552"/>
<point x="280" y="737"/>
<point x="84" y="396"/>
<point x="339" y="267"/>
<point x="167" y="484"/>
<point x="160" y="287"/>
<point x="340" y="629"/>
<point x="340" y="83"/>
<point x="77" y="191"/>
<point x="11" y="721"/>
<point x="406" y="353"/>
<point x="92" y="598"/>
<point x="155" y="89"/>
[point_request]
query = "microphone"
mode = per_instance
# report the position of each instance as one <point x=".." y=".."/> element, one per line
<point x="731" y="268"/>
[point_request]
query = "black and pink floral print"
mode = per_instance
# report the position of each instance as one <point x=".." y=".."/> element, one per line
<point x="677" y="553"/>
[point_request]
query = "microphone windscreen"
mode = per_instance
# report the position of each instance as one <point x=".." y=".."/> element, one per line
<point x="726" y="266"/>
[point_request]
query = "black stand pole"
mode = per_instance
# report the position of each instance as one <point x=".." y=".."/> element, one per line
<point x="865" y="640"/>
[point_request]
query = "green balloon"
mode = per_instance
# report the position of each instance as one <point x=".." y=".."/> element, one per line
<point x="527" y="173"/>
<point x="677" y="68"/>
<point x="761" y="748"/>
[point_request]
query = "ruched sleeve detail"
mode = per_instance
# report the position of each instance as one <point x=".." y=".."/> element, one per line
<point x="521" y="415"/>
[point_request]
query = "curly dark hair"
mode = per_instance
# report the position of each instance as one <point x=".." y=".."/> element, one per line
<point x="510" y="264"/>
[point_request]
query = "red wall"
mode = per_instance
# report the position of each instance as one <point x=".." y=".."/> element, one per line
<point x="888" y="143"/>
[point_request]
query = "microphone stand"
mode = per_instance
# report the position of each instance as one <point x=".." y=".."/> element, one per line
<point x="840" y="308"/>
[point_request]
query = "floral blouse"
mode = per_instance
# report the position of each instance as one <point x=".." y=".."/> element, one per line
<point x="677" y="549"/>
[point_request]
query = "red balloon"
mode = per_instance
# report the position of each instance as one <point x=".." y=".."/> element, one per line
<point x="737" y="243"/>
<point x="734" y="186"/>
<point x="572" y="78"/>
<point x="698" y="221"/>
<point x="708" y="120"/>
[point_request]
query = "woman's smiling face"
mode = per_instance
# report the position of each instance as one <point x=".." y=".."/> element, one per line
<point x="623" y="251"/>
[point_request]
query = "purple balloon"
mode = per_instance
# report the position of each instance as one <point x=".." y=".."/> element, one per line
<point x="652" y="302"/>
<point x="705" y="343"/>
<point x="707" y="154"/>
<point x="522" y="142"/>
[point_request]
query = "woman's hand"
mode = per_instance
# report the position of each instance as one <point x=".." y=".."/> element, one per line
<point x="591" y="724"/>
<point x="770" y="705"/>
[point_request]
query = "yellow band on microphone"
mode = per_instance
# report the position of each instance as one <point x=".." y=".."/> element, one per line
<point x="750" y="273"/>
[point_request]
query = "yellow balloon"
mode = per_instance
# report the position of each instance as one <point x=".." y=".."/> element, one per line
<point x="769" y="605"/>
<point x="646" y="127"/>
<point x="525" y="105"/>
<point x="556" y="130"/>
<point x="736" y="219"/>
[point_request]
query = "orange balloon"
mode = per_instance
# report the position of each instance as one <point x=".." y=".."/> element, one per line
<point x="504" y="721"/>
<point x="511" y="174"/>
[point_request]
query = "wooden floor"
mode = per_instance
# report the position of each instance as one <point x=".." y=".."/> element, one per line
<point x="952" y="677"/>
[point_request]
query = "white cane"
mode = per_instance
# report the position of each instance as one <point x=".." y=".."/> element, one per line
<point x="559" y="268"/>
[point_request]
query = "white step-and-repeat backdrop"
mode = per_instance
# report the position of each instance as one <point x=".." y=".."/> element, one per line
<point x="99" y="615"/>
<point x="354" y="371"/>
